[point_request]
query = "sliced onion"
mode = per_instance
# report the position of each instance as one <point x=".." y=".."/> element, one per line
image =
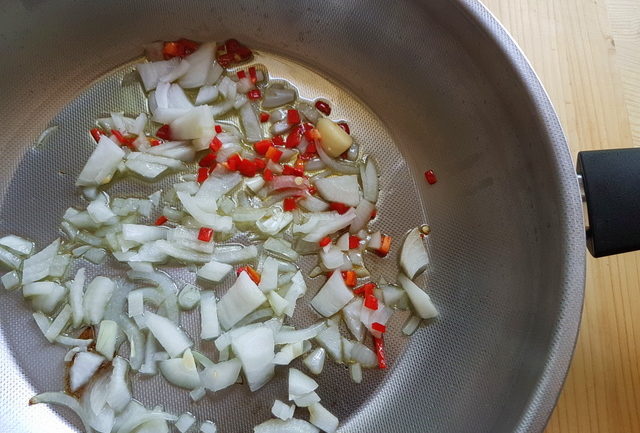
<point x="131" y="424"/>
<point x="281" y="249"/>
<point x="107" y="335"/>
<point x="210" y="328"/>
<point x="182" y="371"/>
<point x="150" y="73"/>
<point x="369" y="177"/>
<point x="206" y="94"/>
<point x="284" y="337"/>
<point x="277" y="96"/>
<point x="84" y="366"/>
<point x="207" y="219"/>
<point x="413" y="256"/>
<point x="250" y="123"/>
<point x="332" y="257"/>
<point x="342" y="189"/>
<point x="395" y="297"/>
<point x="315" y="361"/>
<point x="240" y="300"/>
<point x="275" y="223"/>
<point x="277" y="303"/>
<point x="102" y="164"/>
<point x="174" y="341"/>
<point x="300" y="383"/>
<point x="214" y="271"/>
<point x="363" y="216"/>
<point x="188" y="297"/>
<point x="322" y="418"/>
<point x="17" y="244"/>
<point x="282" y="411"/>
<point x="313" y="204"/>
<point x="98" y="294"/>
<point x="329" y="339"/>
<point x="184" y="422"/>
<point x="333" y="295"/>
<point x="200" y="64"/>
<point x="351" y="316"/>
<point x="420" y="301"/>
<point x="363" y="355"/>
<point x="235" y="255"/>
<point x="296" y="290"/>
<point x="10" y="280"/>
<point x="136" y="342"/>
<point x="338" y="166"/>
<point x="118" y="394"/>
<point x="38" y="266"/>
<point x="221" y="375"/>
<point x="306" y="400"/>
<point x="208" y="427"/>
<point x="410" y="326"/>
<point x="255" y="349"/>
<point x="62" y="399"/>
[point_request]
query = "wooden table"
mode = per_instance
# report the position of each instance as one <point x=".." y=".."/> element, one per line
<point x="587" y="54"/>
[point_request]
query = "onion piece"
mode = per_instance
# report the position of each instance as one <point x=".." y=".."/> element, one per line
<point x="331" y="257"/>
<point x="38" y="266"/>
<point x="342" y="189"/>
<point x="395" y="297"/>
<point x="242" y="298"/>
<point x="96" y="297"/>
<point x="329" y="339"/>
<point x="250" y="123"/>
<point x="289" y="352"/>
<point x="210" y="328"/>
<point x="413" y="256"/>
<point x="150" y="73"/>
<point x="107" y="335"/>
<point x="363" y="216"/>
<point x="369" y="177"/>
<point x="362" y="355"/>
<point x="10" y="280"/>
<point x="197" y="394"/>
<point x="206" y="94"/>
<point x="297" y="289"/>
<point x="118" y="394"/>
<point x="255" y="349"/>
<point x="207" y="219"/>
<point x="336" y="165"/>
<point x="17" y="244"/>
<point x="333" y="295"/>
<point x="381" y="315"/>
<point x="62" y="399"/>
<point x="326" y="226"/>
<point x="322" y="418"/>
<point x="195" y="123"/>
<point x="189" y="297"/>
<point x="49" y="302"/>
<point x="221" y="375"/>
<point x="136" y="342"/>
<point x="277" y="303"/>
<point x="306" y="400"/>
<point x="102" y="163"/>
<point x="208" y="427"/>
<point x="200" y="64"/>
<point x="236" y="255"/>
<point x="133" y="423"/>
<point x="410" y="326"/>
<point x="175" y="150"/>
<point x="76" y="342"/>
<point x="285" y="336"/>
<point x="276" y="96"/>
<point x="269" y="275"/>
<point x="275" y="223"/>
<point x="300" y="384"/>
<point x="420" y="300"/>
<point x="182" y="371"/>
<point x="281" y="249"/>
<point x="135" y="303"/>
<point x="142" y="233"/>
<point x="174" y="341"/>
<point x="315" y="360"/>
<point x="184" y="422"/>
<point x="214" y="271"/>
<point x="290" y="426"/>
<point x="351" y="316"/>
<point x="84" y="366"/>
<point x="282" y="411"/>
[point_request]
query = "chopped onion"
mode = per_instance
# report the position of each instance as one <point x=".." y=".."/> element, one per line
<point x="174" y="341"/>
<point x="102" y="163"/>
<point x="255" y="349"/>
<point x="314" y="204"/>
<point x="300" y="384"/>
<point x="10" y="280"/>
<point x="395" y="297"/>
<point x="342" y="189"/>
<point x="197" y="394"/>
<point x="96" y="297"/>
<point x="284" y="336"/>
<point x="49" y="302"/>
<point x="208" y="427"/>
<point x="281" y="248"/>
<point x="413" y="256"/>
<point x="84" y="366"/>
<point x="333" y="295"/>
<point x="369" y="177"/>
<point x="290" y="426"/>
<point x="214" y="271"/>
<point x="118" y="394"/>
<point x="410" y="326"/>
<point x="306" y="400"/>
<point x="420" y="301"/>
<point x="269" y="275"/>
<point x="241" y="299"/>
<point x="275" y="223"/>
<point x="62" y="399"/>
<point x="277" y="96"/>
<point x="107" y="335"/>
<point x="206" y="94"/>
<point x="282" y="411"/>
<point x="329" y="339"/>
<point x="142" y="233"/>
<point x="381" y="315"/>
<point x="289" y="352"/>
<point x="195" y="123"/>
<point x="136" y="343"/>
<point x="188" y="297"/>
<point x="221" y="375"/>
<point x="315" y="360"/>
<point x="17" y="244"/>
<point x="297" y="288"/>
<point x="150" y="73"/>
<point x="135" y="302"/>
<point x="338" y="166"/>
<point x="363" y="355"/>
<point x="200" y="65"/>
<point x="207" y="219"/>
<point x="250" y="123"/>
<point x="363" y="216"/>
<point x="351" y="316"/>
<point x="38" y="266"/>
<point x="322" y="418"/>
<point x="331" y="257"/>
<point x="182" y="371"/>
<point x="210" y="328"/>
<point x="184" y="422"/>
<point x="235" y="255"/>
<point x="278" y="304"/>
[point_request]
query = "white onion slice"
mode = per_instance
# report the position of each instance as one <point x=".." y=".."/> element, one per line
<point x="62" y="399"/>
<point x="281" y="248"/>
<point x="410" y="326"/>
<point x="277" y="303"/>
<point x="208" y="427"/>
<point x="106" y="341"/>
<point x="189" y="297"/>
<point x="195" y="123"/>
<point x="84" y="366"/>
<point x="277" y="96"/>
<point x="315" y="360"/>
<point x="174" y="341"/>
<point x="294" y="336"/>
<point x="197" y="394"/>
<point x="300" y="384"/>
<point x="420" y="300"/>
<point x="282" y="411"/>
<point x="363" y="216"/>
<point x="200" y="64"/>
<point x="132" y="424"/>
<point x="221" y="375"/>
<point x="269" y="275"/>
<point x="207" y="219"/>
<point x="250" y="123"/>
<point x="236" y="255"/>
<point x="380" y="315"/>
<point x="322" y="418"/>
<point x="143" y="233"/>
<point x="210" y="328"/>
<point x="306" y="400"/>
<point x="206" y="94"/>
<point x="290" y="426"/>
<point x="363" y="355"/>
<point x="184" y="422"/>
<point x="96" y="297"/>
<point x="331" y="257"/>
<point x="17" y="244"/>
<point x="10" y="280"/>
<point x="136" y="340"/>
<point x="369" y="177"/>
<point x="351" y="316"/>
<point x="214" y="271"/>
<point x="333" y="295"/>
<point x="255" y="349"/>
<point x="182" y="371"/>
<point x="241" y="299"/>
<point x="338" y="166"/>
<point x="38" y="266"/>
<point x="342" y="189"/>
<point x="150" y="73"/>
<point x="413" y="256"/>
<point x="102" y="163"/>
<point x="330" y="340"/>
<point x="296" y="290"/>
<point x="118" y="394"/>
<point x="395" y="297"/>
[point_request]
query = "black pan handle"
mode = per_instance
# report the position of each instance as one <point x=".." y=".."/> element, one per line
<point x="611" y="190"/>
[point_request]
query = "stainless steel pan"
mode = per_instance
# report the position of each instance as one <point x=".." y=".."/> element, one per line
<point x="433" y="84"/>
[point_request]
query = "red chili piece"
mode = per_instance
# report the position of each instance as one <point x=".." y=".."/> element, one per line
<point x="215" y="144"/>
<point x="293" y="116"/>
<point x="288" y="170"/>
<point x="154" y="142"/>
<point x="161" y="220"/>
<point x="379" y="349"/>
<point x="96" y="133"/>
<point x="205" y="234"/>
<point x="233" y="163"/>
<point x="430" y="176"/>
<point x="218" y="129"/>
<point x="289" y="204"/>
<point x="123" y="140"/>
<point x="232" y="52"/>
<point x="247" y="168"/>
<point x="254" y="94"/>
<point x="385" y="246"/>
<point x="312" y="134"/>
<point x="325" y="241"/>
<point x="278" y="140"/>
<point x="208" y="160"/>
<point x="378" y="327"/>
<point x="294" y="138"/>
<point x="164" y="132"/>
<point x="273" y="154"/>
<point x="260" y="164"/>
<point x="374" y="213"/>
<point x="365" y="290"/>
<point x="354" y="242"/>
<point x="203" y="174"/>
<point x="345" y="127"/>
<point x="180" y="48"/>
<point x="341" y="208"/>
<point x="371" y="302"/>
<point x="253" y="76"/>
<point x="323" y="107"/>
<point x="267" y="175"/>
<point x="253" y="274"/>
<point x="350" y="278"/>
<point x="241" y="74"/>
<point x="264" y="117"/>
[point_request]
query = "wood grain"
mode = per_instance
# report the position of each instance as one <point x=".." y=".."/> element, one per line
<point x="587" y="54"/>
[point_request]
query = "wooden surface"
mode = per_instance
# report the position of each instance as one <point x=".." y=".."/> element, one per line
<point x="587" y="54"/>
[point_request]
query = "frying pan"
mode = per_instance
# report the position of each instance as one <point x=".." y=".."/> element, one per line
<point x="433" y="84"/>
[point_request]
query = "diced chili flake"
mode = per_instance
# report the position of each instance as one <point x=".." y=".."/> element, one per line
<point x="188" y="45"/>
<point x="260" y="164"/>
<point x="312" y="189"/>
<point x="264" y="117"/>
<point x="215" y="144"/>
<point x="293" y="116"/>
<point x="252" y="273"/>
<point x="161" y="220"/>
<point x="241" y="74"/>
<point x="96" y="133"/>
<point x="253" y="76"/>
<point x="430" y="176"/>
<point x="385" y="246"/>
<point x="341" y="208"/>
<point x="233" y="163"/>
<point x="374" y="213"/>
<point x="325" y="241"/>
<point x="371" y="302"/>
<point x="164" y="132"/>
<point x="294" y="138"/>
<point x="218" y="129"/>
<point x="278" y="140"/>
<point x="267" y="175"/>
<point x="350" y="278"/>
<point x="247" y="168"/>
<point x="288" y="170"/>
<point x="154" y="142"/>
<point x="312" y="134"/>
<point x="345" y="127"/>
<point x="208" y="160"/>
<point x="262" y="146"/>
<point x="273" y="154"/>
<point x="354" y="242"/>
<point x="122" y="139"/>
<point x="365" y="290"/>
<point x="378" y="327"/>
<point x="323" y="107"/>
<point x="180" y="48"/>
<point x="225" y="60"/>
<point x="205" y="234"/>
<point x="289" y="204"/>
<point x="378" y="343"/>
<point x="254" y="94"/>
<point x="203" y="174"/>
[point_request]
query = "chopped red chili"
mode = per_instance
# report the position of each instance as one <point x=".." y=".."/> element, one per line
<point x="161" y="220"/>
<point x="378" y="327"/>
<point x="354" y="242"/>
<point x="273" y="154"/>
<point x="289" y="204"/>
<point x="341" y="208"/>
<point x="233" y="162"/>
<point x="247" y="167"/>
<point x="218" y="129"/>
<point x="164" y="132"/>
<point x="378" y="343"/>
<point x="203" y="174"/>
<point x="345" y="127"/>
<point x="205" y="234"/>
<point x="325" y="241"/>
<point x="323" y="107"/>
<point x="267" y="175"/>
<point x="254" y="94"/>
<point x="350" y="278"/>
<point x="96" y="133"/>
<point x="215" y="144"/>
<point x="288" y="170"/>
<point x="430" y="176"/>
<point x="264" y="117"/>
<point x="253" y="274"/>
<point x="208" y="160"/>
